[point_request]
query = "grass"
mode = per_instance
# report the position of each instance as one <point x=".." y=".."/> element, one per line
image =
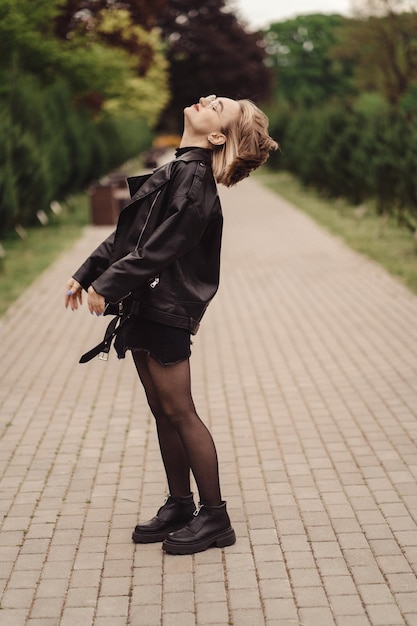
<point x="26" y="258"/>
<point x="378" y="237"/>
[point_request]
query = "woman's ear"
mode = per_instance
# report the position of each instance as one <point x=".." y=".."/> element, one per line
<point x="217" y="139"/>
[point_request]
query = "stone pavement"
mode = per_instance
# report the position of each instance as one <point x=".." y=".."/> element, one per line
<point x="305" y="371"/>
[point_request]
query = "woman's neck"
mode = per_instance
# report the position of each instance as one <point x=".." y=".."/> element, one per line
<point x="190" y="139"/>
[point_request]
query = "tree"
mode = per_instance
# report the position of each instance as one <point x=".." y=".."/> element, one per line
<point x="126" y="29"/>
<point x="86" y="16"/>
<point x="77" y="14"/>
<point x="108" y="62"/>
<point x="300" y="53"/>
<point x="146" y="91"/>
<point x="207" y="48"/>
<point x="209" y="51"/>
<point x="53" y="144"/>
<point x="382" y="43"/>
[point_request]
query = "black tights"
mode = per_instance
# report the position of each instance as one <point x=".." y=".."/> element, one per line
<point x="184" y="440"/>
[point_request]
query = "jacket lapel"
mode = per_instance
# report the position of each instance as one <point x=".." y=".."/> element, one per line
<point x="136" y="182"/>
<point x="141" y="186"/>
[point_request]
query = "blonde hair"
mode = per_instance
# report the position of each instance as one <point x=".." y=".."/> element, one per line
<point x="247" y="146"/>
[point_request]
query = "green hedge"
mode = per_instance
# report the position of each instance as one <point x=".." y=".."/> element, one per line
<point x="360" y="155"/>
<point x="51" y="148"/>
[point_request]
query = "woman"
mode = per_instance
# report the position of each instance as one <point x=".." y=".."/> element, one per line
<point x="161" y="268"/>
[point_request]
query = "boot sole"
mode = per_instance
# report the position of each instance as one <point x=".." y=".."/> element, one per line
<point x="219" y="540"/>
<point x="155" y="537"/>
<point x="147" y="538"/>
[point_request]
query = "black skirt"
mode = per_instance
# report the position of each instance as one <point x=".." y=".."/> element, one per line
<point x="166" y="344"/>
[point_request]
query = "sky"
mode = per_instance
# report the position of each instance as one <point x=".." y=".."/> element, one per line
<point x="259" y="13"/>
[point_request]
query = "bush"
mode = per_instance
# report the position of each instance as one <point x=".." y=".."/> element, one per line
<point x="366" y="153"/>
<point x="51" y="148"/>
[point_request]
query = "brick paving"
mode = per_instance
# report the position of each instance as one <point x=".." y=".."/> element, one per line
<point x="305" y="371"/>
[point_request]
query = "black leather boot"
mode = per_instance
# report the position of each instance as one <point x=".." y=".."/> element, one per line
<point x="173" y="514"/>
<point x="210" y="526"/>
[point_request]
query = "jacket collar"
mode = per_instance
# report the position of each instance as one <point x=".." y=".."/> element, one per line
<point x="196" y="154"/>
<point x="140" y="186"/>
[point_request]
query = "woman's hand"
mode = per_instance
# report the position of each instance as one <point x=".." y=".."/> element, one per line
<point x="95" y="301"/>
<point x="73" y="295"/>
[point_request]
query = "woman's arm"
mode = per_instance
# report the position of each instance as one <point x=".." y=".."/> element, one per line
<point x="177" y="235"/>
<point x="96" y="264"/>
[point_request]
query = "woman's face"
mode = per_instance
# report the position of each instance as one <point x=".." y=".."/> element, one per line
<point x="212" y="114"/>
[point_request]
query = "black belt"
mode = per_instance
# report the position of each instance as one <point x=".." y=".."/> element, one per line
<point x="103" y="348"/>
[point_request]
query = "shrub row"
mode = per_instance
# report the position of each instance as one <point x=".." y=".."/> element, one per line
<point x="51" y="148"/>
<point x="358" y="155"/>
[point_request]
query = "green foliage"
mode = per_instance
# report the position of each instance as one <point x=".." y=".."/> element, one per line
<point x="371" y="104"/>
<point x="408" y="102"/>
<point x="144" y="95"/>
<point x="26" y="258"/>
<point x="52" y="148"/>
<point x="101" y="63"/>
<point x="72" y="107"/>
<point x="26" y="29"/>
<point x="350" y="130"/>
<point x="322" y="58"/>
<point x="354" y="154"/>
<point x="381" y="42"/>
<point x="27" y="39"/>
<point x="299" y="51"/>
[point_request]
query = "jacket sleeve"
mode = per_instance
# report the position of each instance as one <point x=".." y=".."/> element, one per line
<point x="176" y="236"/>
<point x="96" y="263"/>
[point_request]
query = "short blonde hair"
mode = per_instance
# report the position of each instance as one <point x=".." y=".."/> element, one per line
<point x="247" y="146"/>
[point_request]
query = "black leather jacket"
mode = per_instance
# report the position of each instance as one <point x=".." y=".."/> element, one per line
<point x="165" y="251"/>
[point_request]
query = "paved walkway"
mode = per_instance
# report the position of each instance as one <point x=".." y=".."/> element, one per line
<point x="305" y="370"/>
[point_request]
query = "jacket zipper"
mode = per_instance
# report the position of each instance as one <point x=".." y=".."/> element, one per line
<point x="147" y="218"/>
<point x="155" y="281"/>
